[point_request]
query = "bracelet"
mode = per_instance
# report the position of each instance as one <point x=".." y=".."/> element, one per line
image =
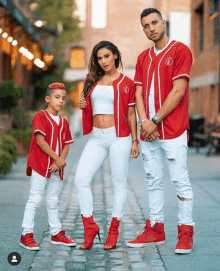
<point x="143" y="120"/>
<point x="135" y="140"/>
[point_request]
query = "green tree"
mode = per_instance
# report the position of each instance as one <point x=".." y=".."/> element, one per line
<point x="56" y="12"/>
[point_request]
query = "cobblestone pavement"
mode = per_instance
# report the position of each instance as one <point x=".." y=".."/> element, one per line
<point x="206" y="252"/>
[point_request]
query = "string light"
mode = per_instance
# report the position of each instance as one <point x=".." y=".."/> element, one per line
<point x="0" y="30"/>
<point x="10" y="39"/>
<point x="5" y="35"/>
<point x="14" y="42"/>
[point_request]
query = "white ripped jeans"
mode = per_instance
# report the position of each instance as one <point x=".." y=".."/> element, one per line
<point x="175" y="151"/>
<point x="39" y="185"/>
<point x="103" y="142"/>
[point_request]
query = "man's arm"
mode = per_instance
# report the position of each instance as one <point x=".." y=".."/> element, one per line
<point x="47" y="149"/>
<point x="142" y="113"/>
<point x="171" y="102"/>
<point x="140" y="103"/>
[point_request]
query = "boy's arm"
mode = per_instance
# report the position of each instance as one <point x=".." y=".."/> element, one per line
<point x="47" y="149"/>
<point x="65" y="152"/>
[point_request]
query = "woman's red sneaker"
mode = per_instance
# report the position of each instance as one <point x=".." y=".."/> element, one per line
<point x="28" y="242"/>
<point x="62" y="239"/>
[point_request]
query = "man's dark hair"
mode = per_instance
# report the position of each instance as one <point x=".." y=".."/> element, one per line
<point x="148" y="11"/>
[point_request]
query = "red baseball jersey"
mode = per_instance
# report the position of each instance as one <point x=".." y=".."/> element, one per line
<point x="124" y="96"/>
<point x="172" y="63"/>
<point x="53" y="133"/>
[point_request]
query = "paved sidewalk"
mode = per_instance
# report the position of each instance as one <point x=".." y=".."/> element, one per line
<point x="205" y="178"/>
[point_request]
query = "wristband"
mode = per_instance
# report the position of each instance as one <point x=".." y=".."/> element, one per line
<point x="135" y="140"/>
<point x="143" y="120"/>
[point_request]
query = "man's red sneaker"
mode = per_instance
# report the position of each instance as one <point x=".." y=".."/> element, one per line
<point x="149" y="235"/>
<point x="185" y="239"/>
<point x="28" y="242"/>
<point x="62" y="239"/>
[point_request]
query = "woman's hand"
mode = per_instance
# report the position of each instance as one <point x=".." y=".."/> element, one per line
<point x="134" y="150"/>
<point x="54" y="168"/>
<point x="82" y="101"/>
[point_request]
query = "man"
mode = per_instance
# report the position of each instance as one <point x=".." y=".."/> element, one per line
<point x="161" y="78"/>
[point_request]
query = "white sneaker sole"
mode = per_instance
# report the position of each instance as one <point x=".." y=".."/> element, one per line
<point x="60" y="243"/>
<point x="183" y="251"/>
<point x="29" y="248"/>
<point x="145" y="244"/>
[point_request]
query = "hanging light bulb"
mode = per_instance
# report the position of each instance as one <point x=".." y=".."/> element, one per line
<point x="0" y="30"/>
<point x="14" y="42"/>
<point x="10" y="39"/>
<point x="5" y="35"/>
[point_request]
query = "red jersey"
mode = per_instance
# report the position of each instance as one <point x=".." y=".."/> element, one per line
<point x="124" y="96"/>
<point x="172" y="63"/>
<point x="53" y="133"/>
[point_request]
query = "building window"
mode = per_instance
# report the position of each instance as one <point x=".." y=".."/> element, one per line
<point x="99" y="14"/>
<point x="77" y="59"/>
<point x="80" y="12"/>
<point x="216" y="23"/>
<point x="200" y="12"/>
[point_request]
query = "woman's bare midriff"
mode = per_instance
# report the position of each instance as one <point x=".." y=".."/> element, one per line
<point x="103" y="121"/>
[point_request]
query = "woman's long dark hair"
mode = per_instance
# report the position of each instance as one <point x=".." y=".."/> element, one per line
<point x="95" y="71"/>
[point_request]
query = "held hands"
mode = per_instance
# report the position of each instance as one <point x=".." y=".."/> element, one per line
<point x="149" y="130"/>
<point x="54" y="168"/>
<point x="134" y="150"/>
<point x="60" y="162"/>
<point x="82" y="101"/>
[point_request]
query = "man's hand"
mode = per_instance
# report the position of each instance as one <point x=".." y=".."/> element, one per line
<point x="152" y="136"/>
<point x="54" y="168"/>
<point x="134" y="150"/>
<point x="60" y="162"/>
<point x="147" y="128"/>
<point x="82" y="101"/>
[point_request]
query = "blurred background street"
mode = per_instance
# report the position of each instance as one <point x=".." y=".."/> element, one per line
<point x="42" y="42"/>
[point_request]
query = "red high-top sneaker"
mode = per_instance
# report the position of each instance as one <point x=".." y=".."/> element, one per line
<point x="28" y="242"/>
<point x="185" y="239"/>
<point x="62" y="239"/>
<point x="149" y="235"/>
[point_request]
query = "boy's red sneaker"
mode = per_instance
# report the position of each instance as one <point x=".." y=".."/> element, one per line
<point x="185" y="239"/>
<point x="28" y="242"/>
<point x="62" y="239"/>
<point x="149" y="235"/>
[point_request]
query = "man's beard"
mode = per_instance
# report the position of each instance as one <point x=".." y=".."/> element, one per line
<point x="160" y="37"/>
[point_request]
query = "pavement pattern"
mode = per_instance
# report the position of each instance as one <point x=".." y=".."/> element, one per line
<point x="205" y="179"/>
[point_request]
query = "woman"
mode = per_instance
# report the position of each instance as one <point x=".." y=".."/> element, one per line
<point x="108" y="103"/>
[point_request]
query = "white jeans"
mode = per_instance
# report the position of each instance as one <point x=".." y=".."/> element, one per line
<point x="39" y="184"/>
<point x="103" y="142"/>
<point x="176" y="157"/>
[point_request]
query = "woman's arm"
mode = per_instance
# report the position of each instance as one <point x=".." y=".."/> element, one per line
<point x="132" y="122"/>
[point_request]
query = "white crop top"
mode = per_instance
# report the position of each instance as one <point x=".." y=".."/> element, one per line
<point x="102" y="99"/>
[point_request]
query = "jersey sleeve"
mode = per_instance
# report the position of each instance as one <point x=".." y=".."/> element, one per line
<point x="68" y="139"/>
<point x="138" y="80"/>
<point x="39" y="124"/>
<point x="131" y="100"/>
<point x="182" y="64"/>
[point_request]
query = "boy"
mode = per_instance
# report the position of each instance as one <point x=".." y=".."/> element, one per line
<point x="46" y="161"/>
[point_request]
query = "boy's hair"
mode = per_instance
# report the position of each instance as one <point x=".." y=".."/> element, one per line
<point x="148" y="11"/>
<point x="54" y="86"/>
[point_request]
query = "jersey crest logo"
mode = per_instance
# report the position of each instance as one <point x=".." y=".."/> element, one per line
<point x="169" y="61"/>
<point x="126" y="89"/>
<point x="64" y="136"/>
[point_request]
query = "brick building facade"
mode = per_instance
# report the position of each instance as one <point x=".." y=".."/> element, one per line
<point x="122" y="27"/>
<point x="204" y="84"/>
